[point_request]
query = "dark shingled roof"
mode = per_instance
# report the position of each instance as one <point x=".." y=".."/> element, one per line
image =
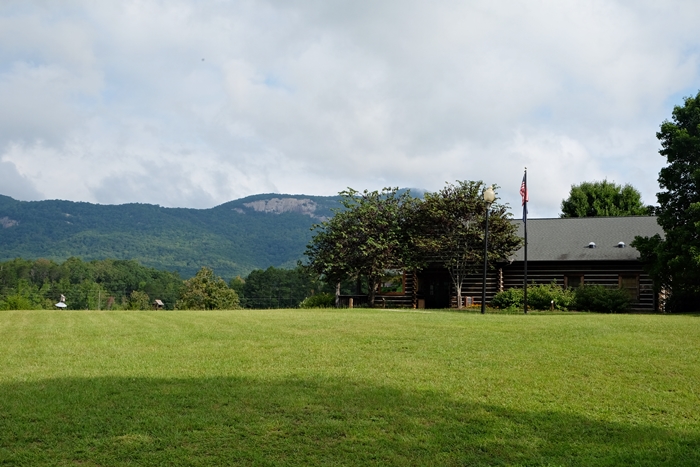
<point x="568" y="239"/>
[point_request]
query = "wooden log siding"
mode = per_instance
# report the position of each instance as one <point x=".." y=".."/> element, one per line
<point x="507" y="276"/>
<point x="399" y="300"/>
<point x="472" y="287"/>
<point x="605" y="273"/>
<point x="406" y="299"/>
<point x="558" y="248"/>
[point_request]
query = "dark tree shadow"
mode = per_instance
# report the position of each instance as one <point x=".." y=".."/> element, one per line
<point x="238" y="421"/>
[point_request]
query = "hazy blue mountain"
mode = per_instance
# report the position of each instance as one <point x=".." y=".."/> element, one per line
<point x="233" y="238"/>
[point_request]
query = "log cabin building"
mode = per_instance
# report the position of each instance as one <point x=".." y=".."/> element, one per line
<point x="569" y="251"/>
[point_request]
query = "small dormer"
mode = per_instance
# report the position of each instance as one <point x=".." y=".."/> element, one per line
<point x="591" y="245"/>
<point x="621" y="244"/>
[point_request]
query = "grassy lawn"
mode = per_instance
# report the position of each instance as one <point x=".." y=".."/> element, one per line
<point x="351" y="387"/>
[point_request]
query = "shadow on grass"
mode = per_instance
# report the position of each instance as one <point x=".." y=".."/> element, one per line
<point x="226" y="421"/>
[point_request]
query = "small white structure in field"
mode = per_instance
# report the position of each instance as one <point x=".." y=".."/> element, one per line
<point x="61" y="303"/>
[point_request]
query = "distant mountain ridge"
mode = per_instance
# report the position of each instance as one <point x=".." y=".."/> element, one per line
<point x="233" y="238"/>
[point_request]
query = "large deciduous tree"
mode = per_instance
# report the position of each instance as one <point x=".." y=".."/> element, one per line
<point x="362" y="239"/>
<point x="448" y="227"/>
<point x="674" y="261"/>
<point x="597" y="199"/>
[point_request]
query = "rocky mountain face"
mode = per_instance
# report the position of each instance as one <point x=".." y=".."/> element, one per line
<point x="303" y="206"/>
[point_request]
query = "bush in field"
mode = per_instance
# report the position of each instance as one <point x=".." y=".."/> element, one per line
<point x="205" y="291"/>
<point x="320" y="300"/>
<point x="601" y="299"/>
<point x="510" y="298"/>
<point x="541" y="296"/>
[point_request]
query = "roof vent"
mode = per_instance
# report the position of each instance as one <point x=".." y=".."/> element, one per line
<point x="591" y="245"/>
<point x="621" y="245"/>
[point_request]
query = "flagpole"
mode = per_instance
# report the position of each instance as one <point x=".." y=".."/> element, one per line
<point x="525" y="200"/>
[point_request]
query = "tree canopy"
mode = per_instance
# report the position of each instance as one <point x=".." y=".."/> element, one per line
<point x="674" y="261"/>
<point x="448" y="226"/>
<point x="364" y="238"/>
<point x="382" y="231"/>
<point x="597" y="199"/>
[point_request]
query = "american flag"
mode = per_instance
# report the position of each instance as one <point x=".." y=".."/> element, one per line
<point x="523" y="189"/>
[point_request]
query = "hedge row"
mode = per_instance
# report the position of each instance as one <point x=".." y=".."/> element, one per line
<point x="596" y="298"/>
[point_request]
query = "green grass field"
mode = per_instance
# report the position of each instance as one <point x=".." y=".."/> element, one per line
<point x="351" y="387"/>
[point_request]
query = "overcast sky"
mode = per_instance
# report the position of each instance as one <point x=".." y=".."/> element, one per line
<point x="192" y="103"/>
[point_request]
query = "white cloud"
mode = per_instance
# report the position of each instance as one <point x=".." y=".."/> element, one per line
<point x="186" y="103"/>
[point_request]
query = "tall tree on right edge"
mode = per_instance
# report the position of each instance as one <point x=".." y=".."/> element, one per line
<point x="673" y="262"/>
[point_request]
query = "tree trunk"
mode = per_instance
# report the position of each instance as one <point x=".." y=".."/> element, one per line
<point x="371" y="293"/>
<point x="458" y="288"/>
<point x="337" y="295"/>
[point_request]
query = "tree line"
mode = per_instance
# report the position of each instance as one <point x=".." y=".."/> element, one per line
<point x="127" y="285"/>
<point x="100" y="284"/>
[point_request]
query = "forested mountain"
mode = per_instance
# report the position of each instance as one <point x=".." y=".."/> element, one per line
<point x="234" y="238"/>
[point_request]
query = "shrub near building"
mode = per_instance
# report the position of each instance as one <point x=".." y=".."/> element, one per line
<point x="596" y="298"/>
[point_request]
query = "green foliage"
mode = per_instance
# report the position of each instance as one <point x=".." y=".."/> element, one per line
<point x="388" y="230"/>
<point x="25" y="296"/>
<point x="237" y="284"/>
<point x="601" y="299"/>
<point x="139" y="300"/>
<point x="594" y="199"/>
<point x="364" y="239"/>
<point x="540" y="297"/>
<point x="87" y="285"/>
<point x="509" y="298"/>
<point x="205" y="291"/>
<point x="596" y="298"/>
<point x="448" y="227"/>
<point x="320" y="300"/>
<point x="673" y="262"/>
<point x="278" y="288"/>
